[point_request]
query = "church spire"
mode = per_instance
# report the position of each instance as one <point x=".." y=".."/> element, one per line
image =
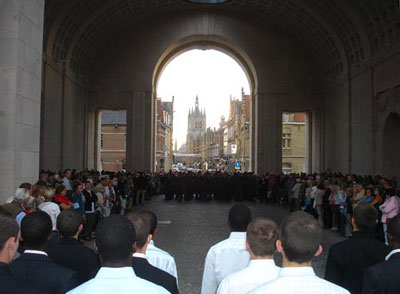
<point x="197" y="101"/>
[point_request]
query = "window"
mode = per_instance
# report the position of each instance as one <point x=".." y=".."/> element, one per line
<point x="286" y="140"/>
<point x="286" y="168"/>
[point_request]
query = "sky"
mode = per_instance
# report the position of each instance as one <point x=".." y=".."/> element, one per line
<point x="210" y="74"/>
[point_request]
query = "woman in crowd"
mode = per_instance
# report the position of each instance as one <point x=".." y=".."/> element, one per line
<point x="78" y="199"/>
<point x="62" y="199"/>
<point x="52" y="209"/>
<point x="389" y="210"/>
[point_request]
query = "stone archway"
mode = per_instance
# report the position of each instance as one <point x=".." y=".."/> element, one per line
<point x="391" y="143"/>
<point x="207" y="42"/>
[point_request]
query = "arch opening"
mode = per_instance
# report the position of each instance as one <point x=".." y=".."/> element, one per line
<point x="237" y="154"/>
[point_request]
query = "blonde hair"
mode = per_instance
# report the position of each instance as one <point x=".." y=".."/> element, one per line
<point x="48" y="194"/>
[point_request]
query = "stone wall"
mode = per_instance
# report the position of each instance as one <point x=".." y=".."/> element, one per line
<point x="21" y="38"/>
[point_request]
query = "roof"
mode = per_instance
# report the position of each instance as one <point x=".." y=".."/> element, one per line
<point x="112" y="117"/>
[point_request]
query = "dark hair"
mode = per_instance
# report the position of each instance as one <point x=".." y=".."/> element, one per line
<point x="142" y="228"/>
<point x="8" y="229"/>
<point x="60" y="188"/>
<point x="365" y="217"/>
<point x="68" y="222"/>
<point x="115" y="236"/>
<point x="27" y="186"/>
<point x="239" y="217"/>
<point x="262" y="234"/>
<point x="76" y="184"/>
<point x="300" y="235"/>
<point x="393" y="229"/>
<point x="151" y="218"/>
<point x="36" y="228"/>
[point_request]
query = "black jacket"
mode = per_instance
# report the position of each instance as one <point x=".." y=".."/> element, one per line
<point x="143" y="269"/>
<point x="90" y="197"/>
<point x="8" y="285"/>
<point x="70" y="253"/>
<point x="40" y="273"/>
<point x="348" y="260"/>
<point x="383" y="278"/>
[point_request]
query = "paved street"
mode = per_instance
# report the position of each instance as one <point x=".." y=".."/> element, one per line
<point x="196" y="226"/>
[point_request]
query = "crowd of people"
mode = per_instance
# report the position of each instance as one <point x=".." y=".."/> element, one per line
<point x="43" y="226"/>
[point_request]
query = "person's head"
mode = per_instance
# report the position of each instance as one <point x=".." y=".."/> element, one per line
<point x="67" y="173"/>
<point x="78" y="187"/>
<point x="115" y="238"/>
<point x="239" y="218"/>
<point x="36" y="229"/>
<point x="142" y="230"/>
<point x="377" y="191"/>
<point x="69" y="223"/>
<point x="393" y="231"/>
<point x="261" y="237"/>
<point x="152" y="219"/>
<point x="22" y="196"/>
<point x="26" y="186"/>
<point x="48" y="194"/>
<point x="9" y="238"/>
<point x="365" y="217"/>
<point x="88" y="185"/>
<point x="300" y="238"/>
<point x="103" y="181"/>
<point x="61" y="189"/>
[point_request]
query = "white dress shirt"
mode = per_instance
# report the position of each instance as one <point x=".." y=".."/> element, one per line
<point x="299" y="280"/>
<point x="222" y="259"/>
<point x="161" y="259"/>
<point x="120" y="280"/>
<point x="67" y="184"/>
<point x="259" y="271"/>
<point x="53" y="210"/>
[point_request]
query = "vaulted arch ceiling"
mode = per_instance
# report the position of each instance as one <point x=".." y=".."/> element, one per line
<point x="341" y="34"/>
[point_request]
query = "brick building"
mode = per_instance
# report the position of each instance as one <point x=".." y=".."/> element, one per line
<point x="113" y="140"/>
<point x="164" y="140"/>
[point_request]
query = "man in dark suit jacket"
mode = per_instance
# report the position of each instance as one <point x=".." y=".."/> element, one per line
<point x="34" y="268"/>
<point x="383" y="278"/>
<point x="141" y="266"/>
<point x="69" y="252"/>
<point x="9" y="241"/>
<point x="348" y="260"/>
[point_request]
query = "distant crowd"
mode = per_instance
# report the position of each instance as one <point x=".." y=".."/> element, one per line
<point x="43" y="225"/>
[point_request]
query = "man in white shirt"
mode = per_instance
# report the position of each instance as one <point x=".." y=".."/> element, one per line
<point x="66" y="179"/>
<point x="156" y="256"/>
<point x="115" y="241"/>
<point x="299" y="242"/>
<point x="261" y="237"/>
<point x="230" y="255"/>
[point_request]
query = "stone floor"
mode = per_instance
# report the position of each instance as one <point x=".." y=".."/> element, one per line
<point x="194" y="227"/>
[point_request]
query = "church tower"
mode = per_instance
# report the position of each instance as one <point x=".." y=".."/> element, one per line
<point x="196" y="127"/>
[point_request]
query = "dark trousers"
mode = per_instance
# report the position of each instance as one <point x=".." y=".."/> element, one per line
<point x="90" y="223"/>
<point x="294" y="204"/>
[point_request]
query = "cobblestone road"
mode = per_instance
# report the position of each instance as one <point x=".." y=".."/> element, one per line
<point x="196" y="226"/>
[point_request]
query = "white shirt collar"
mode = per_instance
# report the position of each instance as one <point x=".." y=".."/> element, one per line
<point x="237" y="235"/>
<point x="391" y="253"/>
<point x="297" y="271"/>
<point x="140" y="255"/>
<point x="115" y="272"/>
<point x="35" y="252"/>
<point x="261" y="262"/>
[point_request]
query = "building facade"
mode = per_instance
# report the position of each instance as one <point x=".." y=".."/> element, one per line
<point x="164" y="140"/>
<point x="113" y="140"/>
<point x="294" y="142"/>
<point x="197" y="122"/>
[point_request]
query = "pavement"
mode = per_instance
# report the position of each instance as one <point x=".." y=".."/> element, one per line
<point x="188" y="230"/>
